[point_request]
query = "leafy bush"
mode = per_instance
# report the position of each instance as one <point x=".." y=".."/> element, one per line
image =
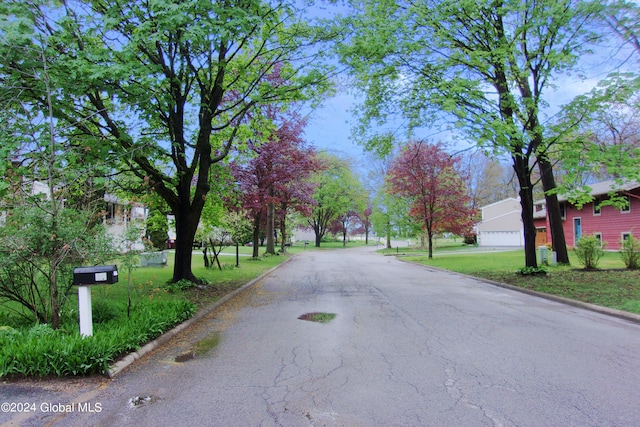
<point x="7" y="332"/>
<point x="34" y="239"/>
<point x="103" y="310"/>
<point x="589" y="251"/>
<point x="180" y="285"/>
<point x="157" y="229"/>
<point x="630" y="252"/>
<point x="532" y="271"/>
<point x="42" y="351"/>
<point x="471" y="240"/>
<point x="41" y="330"/>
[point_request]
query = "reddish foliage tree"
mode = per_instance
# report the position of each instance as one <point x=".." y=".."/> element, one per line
<point x="342" y="224"/>
<point x="274" y="180"/>
<point x="427" y="176"/>
<point x="363" y="225"/>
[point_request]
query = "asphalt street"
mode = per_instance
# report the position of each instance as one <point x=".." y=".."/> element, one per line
<point x="409" y="346"/>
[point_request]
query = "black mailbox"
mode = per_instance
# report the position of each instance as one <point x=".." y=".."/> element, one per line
<point x="97" y="275"/>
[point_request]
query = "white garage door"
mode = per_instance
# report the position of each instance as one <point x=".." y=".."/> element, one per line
<point x="500" y="238"/>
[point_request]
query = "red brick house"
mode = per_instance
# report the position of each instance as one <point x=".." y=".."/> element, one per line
<point x="608" y="223"/>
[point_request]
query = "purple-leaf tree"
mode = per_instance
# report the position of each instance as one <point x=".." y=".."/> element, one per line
<point x="273" y="177"/>
<point x="426" y="175"/>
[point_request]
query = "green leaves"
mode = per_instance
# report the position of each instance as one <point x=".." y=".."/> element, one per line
<point x="589" y="250"/>
<point x="41" y="351"/>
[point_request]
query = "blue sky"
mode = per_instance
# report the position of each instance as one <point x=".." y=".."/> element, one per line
<point x="330" y="125"/>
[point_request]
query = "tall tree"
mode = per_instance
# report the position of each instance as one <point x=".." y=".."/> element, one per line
<point x="427" y="177"/>
<point x="486" y="66"/>
<point x="365" y="223"/>
<point x="488" y="180"/>
<point x="378" y="163"/>
<point x="42" y="239"/>
<point x="160" y="88"/>
<point x="623" y="17"/>
<point x="273" y="176"/>
<point x="337" y="192"/>
<point x="605" y="139"/>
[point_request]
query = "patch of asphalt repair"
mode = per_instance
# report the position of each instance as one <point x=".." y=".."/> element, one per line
<point x="150" y="346"/>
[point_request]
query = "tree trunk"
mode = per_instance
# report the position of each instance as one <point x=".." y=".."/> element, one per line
<point x="388" y="234"/>
<point x="187" y="204"/>
<point x="521" y="168"/>
<point x="206" y="257"/>
<point x="55" y="302"/>
<point x="216" y="253"/>
<point x="318" y="236"/>
<point x="553" y="210"/>
<point x="271" y="245"/>
<point x="256" y="236"/>
<point x="283" y="234"/>
<point x="186" y="226"/>
<point x="183" y="257"/>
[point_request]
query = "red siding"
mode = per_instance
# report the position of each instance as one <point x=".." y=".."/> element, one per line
<point x="611" y="222"/>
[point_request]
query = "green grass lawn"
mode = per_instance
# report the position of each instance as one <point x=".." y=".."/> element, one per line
<point x="150" y="283"/>
<point x="611" y="285"/>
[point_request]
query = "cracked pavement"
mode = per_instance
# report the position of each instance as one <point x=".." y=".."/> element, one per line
<point x="410" y="346"/>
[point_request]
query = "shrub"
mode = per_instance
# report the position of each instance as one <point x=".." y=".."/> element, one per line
<point x="532" y="271"/>
<point x="470" y="239"/>
<point x="40" y="331"/>
<point x="589" y="251"/>
<point x="180" y="285"/>
<point x="7" y="332"/>
<point x="34" y="241"/>
<point x="42" y="351"/>
<point x="103" y="311"/>
<point x="630" y="252"/>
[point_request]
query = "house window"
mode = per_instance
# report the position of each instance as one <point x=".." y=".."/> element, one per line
<point x="563" y="210"/>
<point x="625" y="235"/>
<point x="597" y="209"/>
<point x="627" y="206"/>
<point x="598" y="235"/>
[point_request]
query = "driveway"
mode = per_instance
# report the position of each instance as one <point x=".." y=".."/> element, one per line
<point x="410" y="346"/>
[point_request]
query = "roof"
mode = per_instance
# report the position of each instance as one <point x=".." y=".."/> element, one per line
<point x="509" y="199"/>
<point x="605" y="187"/>
<point x="602" y="188"/>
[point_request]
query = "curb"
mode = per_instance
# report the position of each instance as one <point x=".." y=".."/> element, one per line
<point x="631" y="317"/>
<point x="123" y="363"/>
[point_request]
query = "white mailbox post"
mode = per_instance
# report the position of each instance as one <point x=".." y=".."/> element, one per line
<point x="85" y="277"/>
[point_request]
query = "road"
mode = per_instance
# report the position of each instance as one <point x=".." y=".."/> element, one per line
<point x="410" y="346"/>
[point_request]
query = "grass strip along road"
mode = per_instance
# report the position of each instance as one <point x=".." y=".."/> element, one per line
<point x="611" y="285"/>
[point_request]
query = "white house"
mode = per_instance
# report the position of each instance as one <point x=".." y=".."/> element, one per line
<point x="118" y="214"/>
<point x="501" y="224"/>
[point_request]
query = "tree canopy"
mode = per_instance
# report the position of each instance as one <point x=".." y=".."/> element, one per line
<point x="426" y="177"/>
<point x="337" y="192"/>
<point x="483" y="67"/>
<point x="273" y="176"/>
<point x="160" y="88"/>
